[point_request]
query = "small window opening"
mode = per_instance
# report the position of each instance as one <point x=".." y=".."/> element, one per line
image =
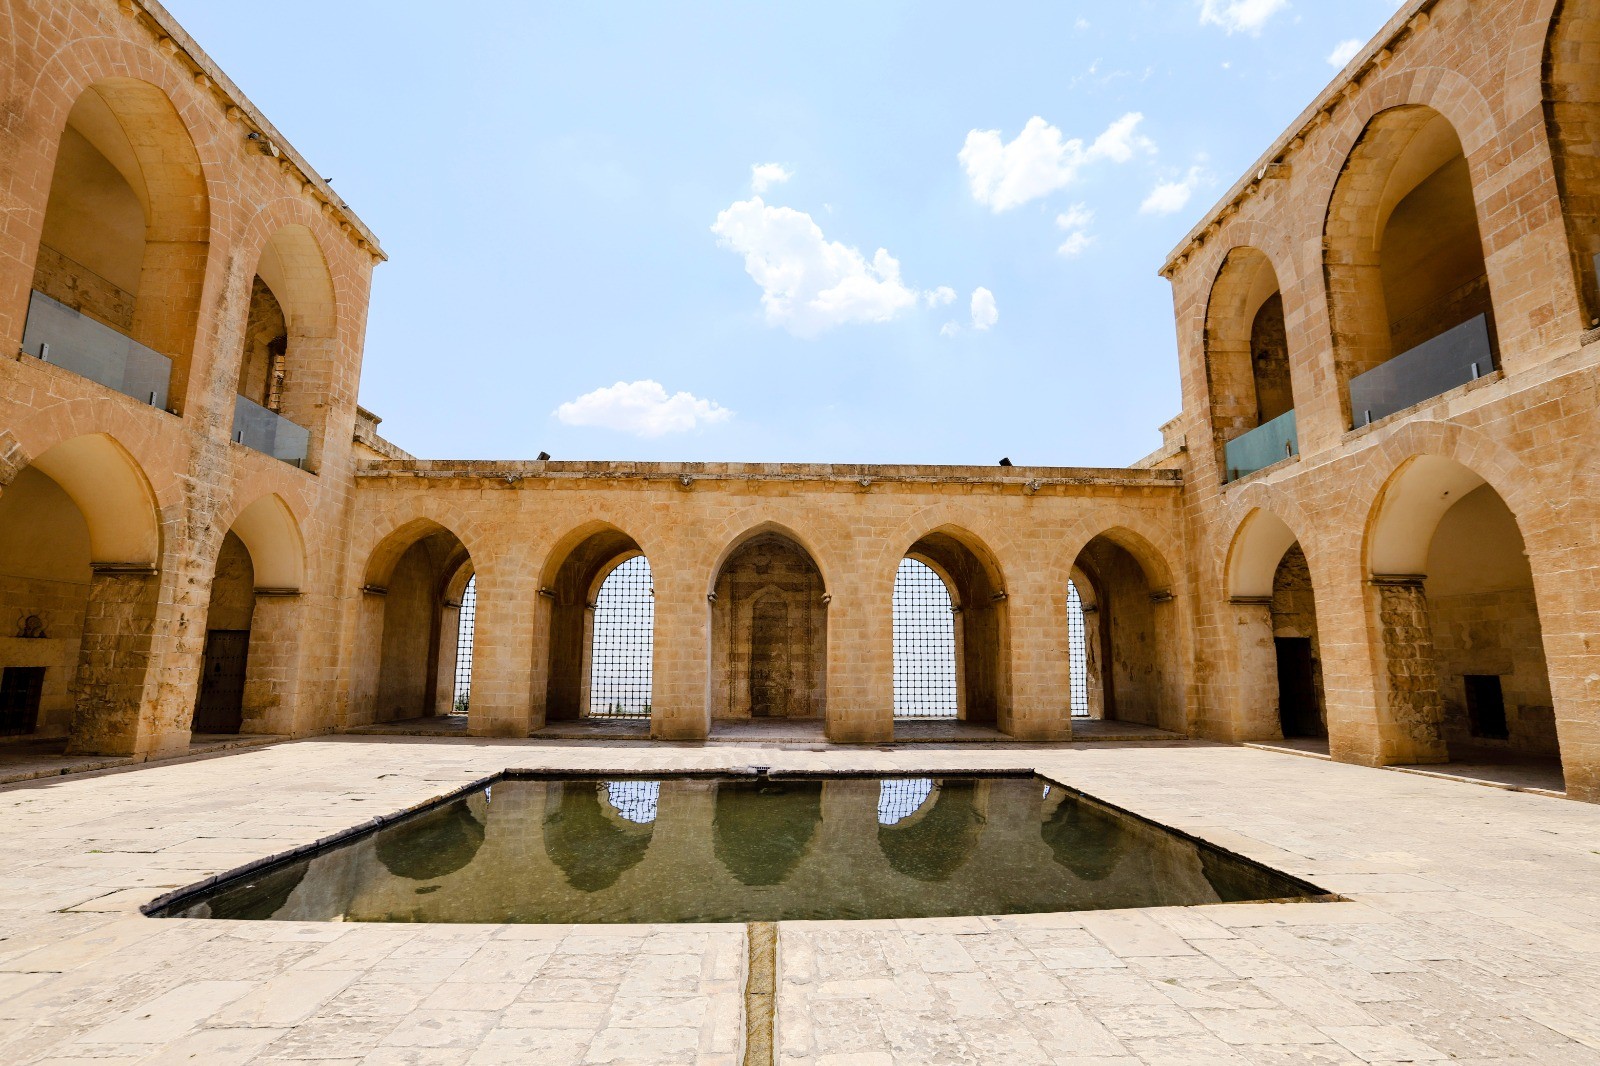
<point x="1077" y="653"/>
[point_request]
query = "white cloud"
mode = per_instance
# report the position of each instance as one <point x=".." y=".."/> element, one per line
<point x="642" y="408"/>
<point x="764" y="176"/>
<point x="984" y="313"/>
<point x="944" y="294"/>
<point x="1343" y="53"/>
<point x="1039" y="161"/>
<point x="1075" y="222"/>
<point x="1240" y="16"/>
<point x="949" y="329"/>
<point x="1170" y="197"/>
<point x="808" y="283"/>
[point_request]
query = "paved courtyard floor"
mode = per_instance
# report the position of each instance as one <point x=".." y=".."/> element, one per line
<point x="1471" y="934"/>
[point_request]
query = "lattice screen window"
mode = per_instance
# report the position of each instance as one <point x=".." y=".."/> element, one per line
<point x="464" y="633"/>
<point x="624" y="636"/>
<point x="1077" y="653"/>
<point x="924" y="644"/>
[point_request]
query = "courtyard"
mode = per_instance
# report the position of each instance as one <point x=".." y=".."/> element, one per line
<point x="1468" y="929"/>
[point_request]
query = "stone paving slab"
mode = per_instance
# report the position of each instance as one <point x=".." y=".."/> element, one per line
<point x="1471" y="931"/>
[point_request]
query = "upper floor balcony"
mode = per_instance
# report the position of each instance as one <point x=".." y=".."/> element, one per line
<point x="1452" y="359"/>
<point x="1269" y="443"/>
<point x="72" y="340"/>
<point x="270" y="433"/>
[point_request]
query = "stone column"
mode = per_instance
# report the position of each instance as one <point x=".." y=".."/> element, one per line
<point x="1411" y="715"/>
<point x="1040" y="707"/>
<point x="272" y="675"/>
<point x="860" y="704"/>
<point x="681" y="669"/>
<point x="1255" y="680"/>
<point x="114" y="661"/>
<point x="502" y="663"/>
<point x="444" y="695"/>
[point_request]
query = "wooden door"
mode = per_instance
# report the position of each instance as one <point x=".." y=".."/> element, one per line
<point x="220" y="708"/>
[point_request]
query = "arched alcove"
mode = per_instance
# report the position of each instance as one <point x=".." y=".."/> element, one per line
<point x="1131" y="632"/>
<point x="1408" y="287"/>
<point x="950" y="631"/>
<point x="289" y="348"/>
<point x="1247" y="366"/>
<point x="598" y="591"/>
<point x="408" y="632"/>
<point x="1456" y="619"/>
<point x="769" y="632"/>
<point x="122" y="255"/>
<point x="78" y="525"/>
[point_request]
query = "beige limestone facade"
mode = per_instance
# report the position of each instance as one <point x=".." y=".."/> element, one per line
<point x="1375" y="519"/>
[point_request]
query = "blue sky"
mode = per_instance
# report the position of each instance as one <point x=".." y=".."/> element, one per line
<point x="567" y="195"/>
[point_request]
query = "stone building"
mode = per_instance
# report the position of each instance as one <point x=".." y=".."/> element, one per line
<point x="1374" y="520"/>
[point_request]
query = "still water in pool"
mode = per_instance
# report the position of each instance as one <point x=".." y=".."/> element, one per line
<point x="746" y="849"/>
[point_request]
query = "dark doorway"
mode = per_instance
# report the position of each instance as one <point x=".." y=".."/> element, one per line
<point x="1486" y="707"/>
<point x="21" y="688"/>
<point x="221" y="705"/>
<point x="1297" y="689"/>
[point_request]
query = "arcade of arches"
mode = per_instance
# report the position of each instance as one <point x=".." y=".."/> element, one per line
<point x="1373" y="527"/>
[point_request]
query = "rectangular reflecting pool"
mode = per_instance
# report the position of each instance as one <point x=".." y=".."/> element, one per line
<point x="739" y="848"/>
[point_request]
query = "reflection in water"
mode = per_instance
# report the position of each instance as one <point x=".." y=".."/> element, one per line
<point x="637" y="801"/>
<point x="696" y="850"/>
<point x="592" y="847"/>
<point x="900" y="797"/>
<point x="436" y="844"/>
<point x="761" y="829"/>
<point x="940" y="839"/>
<point x="1087" y="840"/>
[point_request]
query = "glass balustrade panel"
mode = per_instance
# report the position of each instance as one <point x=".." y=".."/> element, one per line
<point x="1450" y="360"/>
<point x="73" y="341"/>
<point x="1261" y="447"/>
<point x="270" y="433"/>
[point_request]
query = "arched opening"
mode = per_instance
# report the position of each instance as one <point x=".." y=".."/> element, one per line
<point x="1572" y="110"/>
<point x="78" y="527"/>
<point x="249" y="666"/>
<point x="1279" y="664"/>
<point x="288" y="350"/>
<point x="122" y="255"/>
<point x="950" y="633"/>
<point x="1464" y="675"/>
<point x="602" y="630"/>
<point x="1408" y="287"/>
<point x="1247" y="367"/>
<point x="410" y="626"/>
<point x="1130" y="634"/>
<point x="769" y="633"/>
<point x="934" y="839"/>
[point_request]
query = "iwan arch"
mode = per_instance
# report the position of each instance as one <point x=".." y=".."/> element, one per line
<point x="1375" y="519"/>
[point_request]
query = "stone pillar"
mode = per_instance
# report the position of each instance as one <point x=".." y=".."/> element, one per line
<point x="860" y="703"/>
<point x="502" y="668"/>
<point x="114" y="661"/>
<point x="444" y="695"/>
<point x="1040" y="707"/>
<point x="1411" y="715"/>
<point x="1255" y="679"/>
<point x="366" y="656"/>
<point x="1094" y="671"/>
<point x="680" y="679"/>
<point x="272" y="675"/>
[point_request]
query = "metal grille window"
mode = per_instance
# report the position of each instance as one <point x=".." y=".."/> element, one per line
<point x="624" y="636"/>
<point x="464" y="632"/>
<point x="1077" y="653"/>
<point x="924" y="644"/>
<point x="900" y="798"/>
<point x="636" y="801"/>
